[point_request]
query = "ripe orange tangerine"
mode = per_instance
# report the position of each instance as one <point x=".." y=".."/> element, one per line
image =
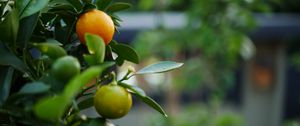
<point x="95" y="22"/>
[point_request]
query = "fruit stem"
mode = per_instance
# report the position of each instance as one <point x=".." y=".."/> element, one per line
<point x="114" y="82"/>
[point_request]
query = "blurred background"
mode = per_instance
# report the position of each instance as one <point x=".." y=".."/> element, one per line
<point x="242" y="61"/>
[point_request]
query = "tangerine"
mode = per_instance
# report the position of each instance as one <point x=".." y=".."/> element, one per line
<point x="95" y="22"/>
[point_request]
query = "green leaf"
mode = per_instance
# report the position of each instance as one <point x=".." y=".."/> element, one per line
<point x="9" y="27"/>
<point x="118" y="6"/>
<point x="96" y="47"/>
<point x="86" y="103"/>
<point x="102" y="4"/>
<point x="53" y="41"/>
<point x="6" y="74"/>
<point x="34" y="88"/>
<point x="151" y="103"/>
<point x="51" y="108"/>
<point x="125" y="52"/>
<point x="52" y="50"/>
<point x="133" y="88"/>
<point x="76" y="4"/>
<point x="62" y="7"/>
<point x="79" y="81"/>
<point x="26" y="28"/>
<point x="29" y="7"/>
<point x="159" y="67"/>
<point x="90" y="59"/>
<point x="10" y="59"/>
<point x="87" y="7"/>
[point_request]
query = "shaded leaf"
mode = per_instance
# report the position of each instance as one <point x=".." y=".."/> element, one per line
<point x="151" y="103"/>
<point x="86" y="103"/>
<point x="88" y="7"/>
<point x="29" y="7"/>
<point x="133" y="88"/>
<point x="159" y="67"/>
<point x="34" y="88"/>
<point x="125" y="52"/>
<point x="76" y="4"/>
<point x="26" y="28"/>
<point x="11" y="59"/>
<point x="102" y="4"/>
<point x="9" y="27"/>
<point x="118" y="6"/>
<point x="6" y="74"/>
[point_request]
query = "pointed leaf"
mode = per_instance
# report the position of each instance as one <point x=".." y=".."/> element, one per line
<point x="26" y="28"/>
<point x="6" y="74"/>
<point x="133" y="88"/>
<point x="57" y="105"/>
<point x="53" y="41"/>
<point x="160" y="67"/>
<point x="151" y="103"/>
<point x="96" y="47"/>
<point x="29" y="7"/>
<point x="90" y="59"/>
<point x="102" y="4"/>
<point x="9" y="27"/>
<point x="76" y="4"/>
<point x="11" y="59"/>
<point x="88" y="7"/>
<point x="34" y="88"/>
<point x="79" y="81"/>
<point x="125" y="52"/>
<point x="51" y="108"/>
<point x="52" y="50"/>
<point x="118" y="6"/>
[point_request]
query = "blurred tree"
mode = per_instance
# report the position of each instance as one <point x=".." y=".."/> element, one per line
<point x="210" y="43"/>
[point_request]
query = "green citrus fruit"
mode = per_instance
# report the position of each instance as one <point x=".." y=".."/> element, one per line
<point x="112" y="101"/>
<point x="65" y="68"/>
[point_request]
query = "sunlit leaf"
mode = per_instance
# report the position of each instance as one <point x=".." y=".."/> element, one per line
<point x="52" y="50"/>
<point x="79" y="81"/>
<point x="51" y="108"/>
<point x="96" y="47"/>
<point x="159" y="67"/>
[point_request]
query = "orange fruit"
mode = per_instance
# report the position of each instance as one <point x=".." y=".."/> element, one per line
<point x="95" y="22"/>
<point x="112" y="101"/>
